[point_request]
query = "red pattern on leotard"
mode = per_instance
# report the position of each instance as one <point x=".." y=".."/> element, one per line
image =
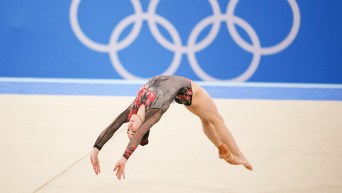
<point x="129" y="151"/>
<point x="145" y="96"/>
<point x="184" y="96"/>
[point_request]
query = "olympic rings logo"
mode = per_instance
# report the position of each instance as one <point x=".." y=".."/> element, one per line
<point x="192" y="46"/>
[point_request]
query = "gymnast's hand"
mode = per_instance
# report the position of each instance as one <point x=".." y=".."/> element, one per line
<point x="95" y="161"/>
<point x="120" y="167"/>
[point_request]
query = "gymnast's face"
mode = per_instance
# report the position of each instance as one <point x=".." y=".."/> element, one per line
<point x="133" y="125"/>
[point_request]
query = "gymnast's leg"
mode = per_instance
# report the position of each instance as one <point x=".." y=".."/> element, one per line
<point x="204" y="107"/>
<point x="208" y="129"/>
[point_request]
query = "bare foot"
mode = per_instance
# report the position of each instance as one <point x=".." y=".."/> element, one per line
<point x="225" y="154"/>
<point x="236" y="160"/>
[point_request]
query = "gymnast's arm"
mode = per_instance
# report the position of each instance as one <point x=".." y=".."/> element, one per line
<point x="156" y="114"/>
<point x="104" y="137"/>
<point x="107" y="133"/>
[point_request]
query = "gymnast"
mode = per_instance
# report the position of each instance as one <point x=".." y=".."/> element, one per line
<point x="152" y="101"/>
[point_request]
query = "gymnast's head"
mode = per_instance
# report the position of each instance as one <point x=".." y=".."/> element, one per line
<point x="133" y="125"/>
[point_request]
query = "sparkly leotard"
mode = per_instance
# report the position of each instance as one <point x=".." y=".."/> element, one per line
<point x="157" y="95"/>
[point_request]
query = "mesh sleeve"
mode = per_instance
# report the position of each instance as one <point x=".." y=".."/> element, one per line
<point x="111" y="129"/>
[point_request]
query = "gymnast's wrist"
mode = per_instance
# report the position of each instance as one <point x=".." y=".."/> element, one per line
<point x="97" y="147"/>
<point x="124" y="158"/>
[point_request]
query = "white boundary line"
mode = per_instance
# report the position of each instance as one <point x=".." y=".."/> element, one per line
<point x="140" y="82"/>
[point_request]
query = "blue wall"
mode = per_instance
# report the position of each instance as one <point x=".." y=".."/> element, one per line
<point x="41" y="39"/>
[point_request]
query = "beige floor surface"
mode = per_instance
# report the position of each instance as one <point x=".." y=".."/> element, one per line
<point x="295" y="146"/>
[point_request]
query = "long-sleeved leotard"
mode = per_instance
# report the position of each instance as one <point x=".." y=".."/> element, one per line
<point x="111" y="129"/>
<point x="157" y="95"/>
